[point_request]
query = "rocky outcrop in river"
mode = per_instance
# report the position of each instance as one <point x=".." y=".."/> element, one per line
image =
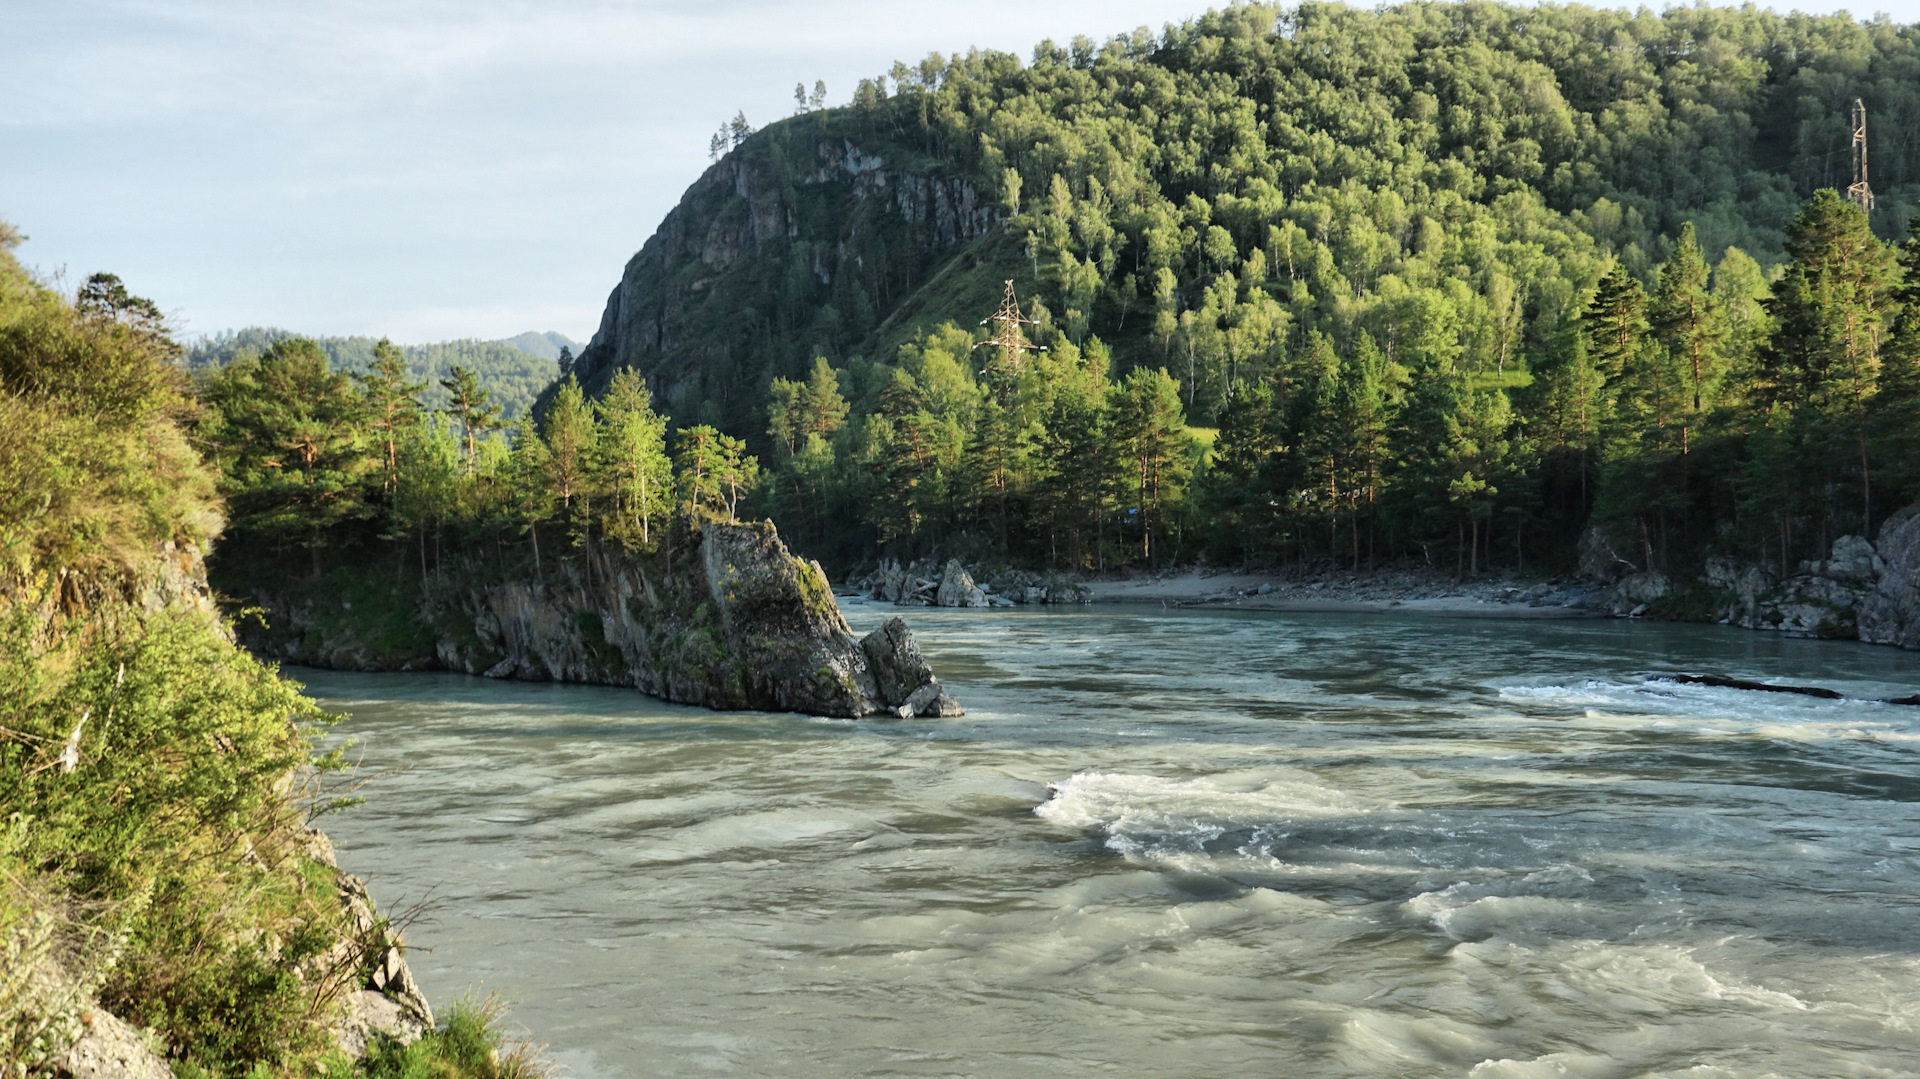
<point x="721" y="615"/>
<point x="926" y="583"/>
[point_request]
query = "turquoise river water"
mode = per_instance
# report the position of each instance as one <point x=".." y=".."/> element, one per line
<point x="1168" y="843"/>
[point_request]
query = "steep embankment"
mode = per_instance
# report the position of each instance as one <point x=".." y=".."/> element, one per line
<point x="720" y="615"/>
<point x="164" y="906"/>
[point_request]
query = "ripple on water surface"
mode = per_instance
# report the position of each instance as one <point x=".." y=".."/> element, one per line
<point x="1171" y="843"/>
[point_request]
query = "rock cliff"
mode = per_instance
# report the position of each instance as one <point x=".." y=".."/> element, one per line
<point x="721" y="616"/>
<point x="800" y="242"/>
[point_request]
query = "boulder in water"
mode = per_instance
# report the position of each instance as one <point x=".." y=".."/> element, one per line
<point x="902" y="677"/>
<point x="957" y="588"/>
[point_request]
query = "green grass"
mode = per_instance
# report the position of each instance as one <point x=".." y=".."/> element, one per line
<point x="469" y="1045"/>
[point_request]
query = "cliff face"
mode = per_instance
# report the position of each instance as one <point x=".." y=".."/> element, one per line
<point x="798" y="243"/>
<point x="722" y="616"/>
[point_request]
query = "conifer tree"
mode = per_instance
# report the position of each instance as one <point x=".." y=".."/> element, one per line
<point x="1689" y="325"/>
<point x="471" y="406"/>
<point x="699" y="461"/>
<point x="633" y="457"/>
<point x="1615" y="323"/>
<point x="292" y="439"/>
<point x="1831" y="308"/>
<point x="1150" y="433"/>
<point x="572" y="449"/>
<point x="529" y="486"/>
<point x="1364" y="406"/>
<point x="392" y="402"/>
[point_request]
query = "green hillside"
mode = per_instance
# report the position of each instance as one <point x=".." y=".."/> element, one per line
<point x="1488" y="156"/>
<point x="1410" y="210"/>
<point x="513" y="376"/>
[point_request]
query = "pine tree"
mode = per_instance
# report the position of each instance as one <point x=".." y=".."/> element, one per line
<point x="697" y="459"/>
<point x="1615" y="323"/>
<point x="633" y="457"/>
<point x="572" y="449"/>
<point x="1364" y="406"/>
<point x="529" y="486"/>
<point x="476" y="414"/>
<point x="1896" y="427"/>
<point x="392" y="402"/>
<point x="292" y="440"/>
<point x="736" y="473"/>
<point x="1150" y="435"/>
<point x="1689" y="326"/>
<point x="1831" y="308"/>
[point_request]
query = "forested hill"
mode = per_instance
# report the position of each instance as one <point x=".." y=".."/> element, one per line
<point x="1446" y="176"/>
<point x="1449" y="282"/>
<point x="512" y="371"/>
<point x="1443" y="281"/>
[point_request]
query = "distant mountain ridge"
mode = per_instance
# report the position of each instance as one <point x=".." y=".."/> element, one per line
<point x="546" y="345"/>
<point x="513" y="370"/>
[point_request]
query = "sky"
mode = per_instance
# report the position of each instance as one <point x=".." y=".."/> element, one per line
<point x="427" y="169"/>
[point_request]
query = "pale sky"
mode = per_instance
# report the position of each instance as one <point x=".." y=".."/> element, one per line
<point x="425" y="169"/>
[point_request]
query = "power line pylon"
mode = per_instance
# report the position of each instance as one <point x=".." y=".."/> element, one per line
<point x="1007" y="338"/>
<point x="1860" y="192"/>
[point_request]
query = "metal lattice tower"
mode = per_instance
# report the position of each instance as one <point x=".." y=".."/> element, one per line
<point x="1860" y="191"/>
<point x="1007" y="337"/>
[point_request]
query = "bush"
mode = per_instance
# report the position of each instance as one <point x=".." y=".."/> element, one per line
<point x="470" y="1045"/>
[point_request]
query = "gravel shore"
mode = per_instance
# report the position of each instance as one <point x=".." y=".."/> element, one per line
<point x="1382" y="592"/>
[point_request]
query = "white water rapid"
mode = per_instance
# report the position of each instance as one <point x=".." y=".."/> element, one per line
<point x="1181" y="844"/>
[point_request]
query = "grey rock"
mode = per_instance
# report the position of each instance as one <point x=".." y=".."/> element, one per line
<point x="895" y="660"/>
<point x="750" y="207"/>
<point x="1806" y="606"/>
<point x="370" y="1013"/>
<point x="1889" y="613"/>
<point x="922" y="699"/>
<point x="110" y="1048"/>
<point x="945" y="707"/>
<point x="1644" y="587"/>
<point x="1854" y="562"/>
<point x="957" y="588"/>
<point x="1598" y="562"/>
<point x="719" y="614"/>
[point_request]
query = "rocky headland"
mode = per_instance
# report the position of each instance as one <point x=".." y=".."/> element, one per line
<point x="719" y="615"/>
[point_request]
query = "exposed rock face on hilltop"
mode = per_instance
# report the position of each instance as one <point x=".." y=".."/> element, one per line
<point x="837" y="226"/>
<point x="721" y="616"/>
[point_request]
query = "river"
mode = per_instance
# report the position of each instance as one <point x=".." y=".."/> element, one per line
<point x="1168" y="843"/>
